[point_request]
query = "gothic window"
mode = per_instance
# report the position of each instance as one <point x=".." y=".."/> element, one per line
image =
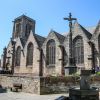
<point x="78" y="50"/>
<point x="30" y="54"/>
<point x="28" y="29"/>
<point x="18" y="56"/>
<point x="51" y="53"/>
<point x="18" y="28"/>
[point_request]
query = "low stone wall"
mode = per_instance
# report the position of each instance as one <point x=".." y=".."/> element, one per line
<point x="44" y="85"/>
<point x="29" y="84"/>
<point x="63" y="84"/>
<point x="51" y="85"/>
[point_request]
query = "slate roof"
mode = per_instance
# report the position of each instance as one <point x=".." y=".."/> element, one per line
<point x="98" y="25"/>
<point x="91" y="29"/>
<point x="24" y="16"/>
<point x="88" y="34"/>
<point x="40" y="40"/>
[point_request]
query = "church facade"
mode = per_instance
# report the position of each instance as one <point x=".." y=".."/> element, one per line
<point x="30" y="53"/>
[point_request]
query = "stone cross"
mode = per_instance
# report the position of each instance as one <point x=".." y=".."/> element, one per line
<point x="72" y="65"/>
<point x="70" y="19"/>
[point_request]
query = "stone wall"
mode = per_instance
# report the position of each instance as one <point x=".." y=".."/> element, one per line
<point x="45" y="85"/>
<point x="51" y="85"/>
<point x="29" y="84"/>
<point x="56" y="69"/>
<point x="62" y="85"/>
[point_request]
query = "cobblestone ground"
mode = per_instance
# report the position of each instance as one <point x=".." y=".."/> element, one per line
<point x="27" y="96"/>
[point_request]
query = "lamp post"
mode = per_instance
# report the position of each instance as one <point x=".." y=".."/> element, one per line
<point x="71" y="66"/>
<point x="13" y="42"/>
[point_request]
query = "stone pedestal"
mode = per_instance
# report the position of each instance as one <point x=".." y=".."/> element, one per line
<point x="85" y="79"/>
<point x="84" y="92"/>
<point x="77" y="94"/>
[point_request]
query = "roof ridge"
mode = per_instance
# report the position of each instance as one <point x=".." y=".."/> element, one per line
<point x="21" y="16"/>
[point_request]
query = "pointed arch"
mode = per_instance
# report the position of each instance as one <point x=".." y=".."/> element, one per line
<point x="18" y="56"/>
<point x="18" y="29"/>
<point x="28" y="29"/>
<point x="78" y="50"/>
<point x="30" y="54"/>
<point x="51" y="52"/>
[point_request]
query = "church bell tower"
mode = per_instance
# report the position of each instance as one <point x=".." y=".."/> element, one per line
<point x="22" y="27"/>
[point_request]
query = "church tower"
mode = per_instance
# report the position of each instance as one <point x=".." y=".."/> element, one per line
<point x="22" y="27"/>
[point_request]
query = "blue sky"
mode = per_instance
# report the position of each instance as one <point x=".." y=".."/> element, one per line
<point x="48" y="15"/>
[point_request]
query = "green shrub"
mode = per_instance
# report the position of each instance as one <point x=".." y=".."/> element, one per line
<point x="98" y="73"/>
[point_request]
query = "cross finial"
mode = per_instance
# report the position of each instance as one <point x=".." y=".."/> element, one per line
<point x="70" y="18"/>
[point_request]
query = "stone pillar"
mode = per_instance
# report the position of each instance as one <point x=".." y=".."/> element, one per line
<point x="4" y="57"/>
<point x="85" y="79"/>
<point x="62" y="60"/>
<point x="92" y="56"/>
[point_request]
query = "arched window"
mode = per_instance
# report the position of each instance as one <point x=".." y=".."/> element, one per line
<point x="18" y="56"/>
<point x="51" y="53"/>
<point x="30" y="54"/>
<point x="28" y="29"/>
<point x="18" y="30"/>
<point x="78" y="50"/>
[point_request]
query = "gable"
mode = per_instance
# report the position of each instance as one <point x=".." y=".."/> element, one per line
<point x="9" y="45"/>
<point x="96" y="32"/>
<point x="18" y="43"/>
<point x="59" y="39"/>
<point x="79" y="30"/>
<point x="32" y="39"/>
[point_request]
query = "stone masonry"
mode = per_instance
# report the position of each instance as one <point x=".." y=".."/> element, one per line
<point x="24" y="33"/>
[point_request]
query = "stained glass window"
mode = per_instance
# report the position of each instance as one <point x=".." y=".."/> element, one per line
<point x="79" y="50"/>
<point x="18" y="56"/>
<point x="51" y="52"/>
<point x="30" y="54"/>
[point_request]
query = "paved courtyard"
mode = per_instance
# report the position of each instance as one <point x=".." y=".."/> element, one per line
<point x="27" y="96"/>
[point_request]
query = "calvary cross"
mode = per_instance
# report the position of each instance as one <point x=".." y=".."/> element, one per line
<point x="70" y="19"/>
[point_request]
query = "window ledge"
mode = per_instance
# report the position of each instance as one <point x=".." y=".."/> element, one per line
<point x="51" y="65"/>
<point x="29" y="66"/>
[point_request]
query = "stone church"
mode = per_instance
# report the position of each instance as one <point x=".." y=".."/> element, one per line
<point x="28" y="53"/>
